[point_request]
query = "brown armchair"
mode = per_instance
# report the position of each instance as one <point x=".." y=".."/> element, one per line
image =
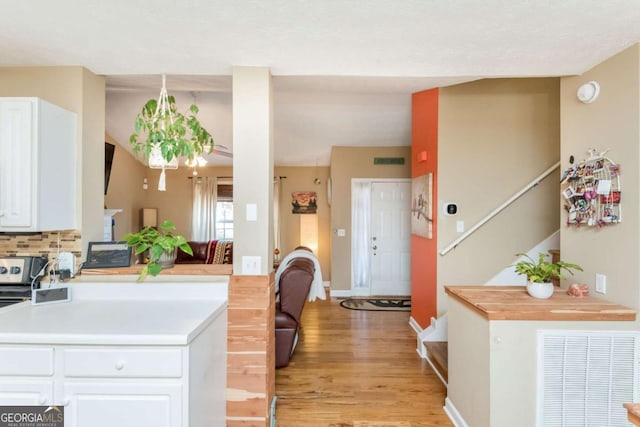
<point x="295" y="282"/>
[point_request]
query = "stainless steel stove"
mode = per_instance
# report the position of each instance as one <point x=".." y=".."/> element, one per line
<point x="17" y="275"/>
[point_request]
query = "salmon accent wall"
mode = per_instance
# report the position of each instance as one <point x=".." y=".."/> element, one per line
<point x="424" y="252"/>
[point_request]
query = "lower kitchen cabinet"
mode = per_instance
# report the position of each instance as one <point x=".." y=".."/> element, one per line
<point x="153" y="356"/>
<point x="26" y="392"/>
<point x="122" y="404"/>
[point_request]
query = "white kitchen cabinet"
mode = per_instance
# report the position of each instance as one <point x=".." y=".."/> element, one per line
<point x="135" y="386"/>
<point x="26" y="392"/>
<point x="120" y="354"/>
<point x="123" y="404"/>
<point x="38" y="190"/>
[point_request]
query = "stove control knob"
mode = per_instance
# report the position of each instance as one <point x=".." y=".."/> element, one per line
<point x="3" y="270"/>
<point x="14" y="270"/>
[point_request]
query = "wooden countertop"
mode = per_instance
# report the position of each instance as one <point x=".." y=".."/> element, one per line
<point x="514" y="303"/>
<point x="178" y="269"/>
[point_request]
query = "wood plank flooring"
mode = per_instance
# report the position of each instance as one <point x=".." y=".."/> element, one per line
<point x="357" y="369"/>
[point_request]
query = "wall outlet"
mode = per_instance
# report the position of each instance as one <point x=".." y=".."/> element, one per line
<point x="251" y="265"/>
<point x="67" y="261"/>
<point x="601" y="283"/>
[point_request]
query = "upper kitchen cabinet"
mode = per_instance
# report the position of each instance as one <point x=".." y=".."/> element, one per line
<point x="38" y="166"/>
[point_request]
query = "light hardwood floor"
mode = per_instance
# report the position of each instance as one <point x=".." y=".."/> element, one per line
<point x="357" y="369"/>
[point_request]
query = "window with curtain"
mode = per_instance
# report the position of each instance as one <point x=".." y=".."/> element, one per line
<point x="224" y="212"/>
<point x="212" y="209"/>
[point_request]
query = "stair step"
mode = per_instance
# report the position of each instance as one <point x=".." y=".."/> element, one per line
<point x="438" y="354"/>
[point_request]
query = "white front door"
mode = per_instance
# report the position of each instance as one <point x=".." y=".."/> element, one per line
<point x="390" y="253"/>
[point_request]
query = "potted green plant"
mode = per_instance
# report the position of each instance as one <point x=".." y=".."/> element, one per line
<point x="162" y="245"/>
<point x="540" y="272"/>
<point x="162" y="134"/>
<point x="170" y="131"/>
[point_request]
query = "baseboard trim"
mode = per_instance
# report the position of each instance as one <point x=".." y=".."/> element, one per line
<point x="415" y="325"/>
<point x="336" y="293"/>
<point x="453" y="414"/>
<point x="418" y="330"/>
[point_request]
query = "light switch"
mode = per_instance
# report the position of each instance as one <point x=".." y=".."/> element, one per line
<point x="460" y="226"/>
<point x="341" y="232"/>
<point x="252" y="212"/>
<point x="601" y="283"/>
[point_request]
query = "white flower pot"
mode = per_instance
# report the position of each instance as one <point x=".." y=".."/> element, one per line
<point x="540" y="290"/>
<point x="167" y="260"/>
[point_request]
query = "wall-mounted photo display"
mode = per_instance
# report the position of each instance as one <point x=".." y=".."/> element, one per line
<point x="591" y="190"/>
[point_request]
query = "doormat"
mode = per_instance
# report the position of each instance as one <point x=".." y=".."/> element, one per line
<point x="377" y="304"/>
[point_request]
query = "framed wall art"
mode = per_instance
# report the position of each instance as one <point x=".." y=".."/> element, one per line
<point x="422" y="206"/>
<point x="304" y="202"/>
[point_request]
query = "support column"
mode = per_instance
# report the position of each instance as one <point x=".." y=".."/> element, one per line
<point x="251" y="337"/>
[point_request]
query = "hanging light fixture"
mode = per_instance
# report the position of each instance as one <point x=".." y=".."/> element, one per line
<point x="198" y="161"/>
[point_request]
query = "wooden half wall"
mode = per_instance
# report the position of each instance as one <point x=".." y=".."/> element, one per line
<point x="250" y="350"/>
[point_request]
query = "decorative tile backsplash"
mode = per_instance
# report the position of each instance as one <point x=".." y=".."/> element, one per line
<point x="39" y="244"/>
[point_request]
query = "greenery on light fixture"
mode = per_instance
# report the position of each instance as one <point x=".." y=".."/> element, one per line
<point x="159" y="242"/>
<point x="168" y="131"/>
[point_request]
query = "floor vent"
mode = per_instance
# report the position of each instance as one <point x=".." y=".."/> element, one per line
<point x="585" y="377"/>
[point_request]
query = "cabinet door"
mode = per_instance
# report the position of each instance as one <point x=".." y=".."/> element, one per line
<point x="122" y="404"/>
<point x="16" y="163"/>
<point x="25" y="392"/>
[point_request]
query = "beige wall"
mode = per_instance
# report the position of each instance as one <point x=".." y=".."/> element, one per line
<point x="611" y="122"/>
<point x="176" y="203"/>
<point x="348" y="163"/>
<point x="92" y="155"/>
<point x="495" y="136"/>
<point x="75" y="89"/>
<point x="302" y="179"/>
<point x="125" y="190"/>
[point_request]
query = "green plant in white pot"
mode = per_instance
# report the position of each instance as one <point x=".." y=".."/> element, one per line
<point x="540" y="272"/>
<point x="162" y="244"/>
<point x="163" y="134"/>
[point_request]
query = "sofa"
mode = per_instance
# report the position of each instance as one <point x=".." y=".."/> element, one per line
<point x="294" y="285"/>
<point x="210" y="252"/>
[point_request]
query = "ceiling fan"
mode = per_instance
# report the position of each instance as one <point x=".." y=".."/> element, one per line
<point x="222" y="150"/>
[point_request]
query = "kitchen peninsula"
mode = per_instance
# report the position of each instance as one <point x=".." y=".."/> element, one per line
<point x="496" y="335"/>
<point x="122" y="354"/>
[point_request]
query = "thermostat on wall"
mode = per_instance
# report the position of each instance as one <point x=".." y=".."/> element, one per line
<point x="449" y="208"/>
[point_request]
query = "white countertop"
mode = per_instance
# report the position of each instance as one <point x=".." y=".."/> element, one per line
<point x="117" y="314"/>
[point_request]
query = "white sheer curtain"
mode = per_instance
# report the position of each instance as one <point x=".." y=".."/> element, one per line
<point x="205" y="191"/>
<point x="276" y="212"/>
<point x="360" y="234"/>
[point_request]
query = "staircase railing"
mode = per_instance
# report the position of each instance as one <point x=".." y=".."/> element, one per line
<point x="500" y="208"/>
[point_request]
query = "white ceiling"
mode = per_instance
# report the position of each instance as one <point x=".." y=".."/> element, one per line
<point x="344" y="69"/>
